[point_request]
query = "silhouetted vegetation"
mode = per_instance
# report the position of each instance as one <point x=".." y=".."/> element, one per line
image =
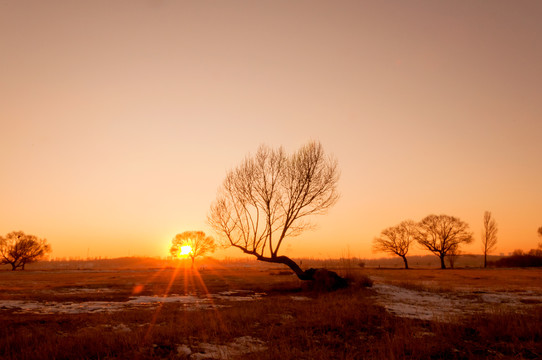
<point x="489" y="235"/>
<point x="397" y="240"/>
<point x="197" y="243"/>
<point x="18" y="249"/>
<point x="519" y="261"/>
<point x="442" y="234"/>
<point x="519" y="258"/>
<point x="270" y="197"/>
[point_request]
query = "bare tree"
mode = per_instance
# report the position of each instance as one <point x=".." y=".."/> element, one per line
<point x="396" y="239"/>
<point x="270" y="197"/>
<point x="196" y="243"/>
<point x="19" y="249"/>
<point x="489" y="235"/>
<point x="441" y="234"/>
<point x="452" y="255"/>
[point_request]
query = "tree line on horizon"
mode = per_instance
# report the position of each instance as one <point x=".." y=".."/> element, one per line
<point x="270" y="197"/>
<point x="443" y="235"/>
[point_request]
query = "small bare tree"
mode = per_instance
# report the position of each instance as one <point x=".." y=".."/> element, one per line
<point x="489" y="235"/>
<point x="441" y="234"/>
<point x="540" y="231"/>
<point x="19" y="249"/>
<point x="396" y="239"/>
<point x="196" y="243"/>
<point x="452" y="256"/>
<point x="270" y="197"/>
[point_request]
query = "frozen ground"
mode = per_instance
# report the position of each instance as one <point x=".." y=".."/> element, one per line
<point x="238" y="347"/>
<point x="189" y="302"/>
<point x="447" y="305"/>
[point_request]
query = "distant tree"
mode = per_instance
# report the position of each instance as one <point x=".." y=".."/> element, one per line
<point x="199" y="244"/>
<point x="518" y="252"/>
<point x="540" y="231"/>
<point x="269" y="198"/>
<point x="396" y="239"/>
<point x="489" y="235"/>
<point x="19" y="249"/>
<point x="452" y="255"/>
<point x="441" y="234"/>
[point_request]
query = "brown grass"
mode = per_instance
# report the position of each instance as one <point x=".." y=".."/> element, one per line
<point x="345" y="324"/>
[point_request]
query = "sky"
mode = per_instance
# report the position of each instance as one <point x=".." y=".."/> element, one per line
<point x="120" y="119"/>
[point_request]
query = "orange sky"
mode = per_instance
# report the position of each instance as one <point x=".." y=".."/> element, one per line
<point x="119" y="119"/>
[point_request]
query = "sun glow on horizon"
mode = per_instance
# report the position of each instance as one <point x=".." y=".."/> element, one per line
<point x="185" y="251"/>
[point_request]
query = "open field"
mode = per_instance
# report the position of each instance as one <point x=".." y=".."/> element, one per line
<point x="265" y="313"/>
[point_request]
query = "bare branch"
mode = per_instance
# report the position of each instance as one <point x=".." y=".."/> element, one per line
<point x="271" y="196"/>
<point x="19" y="249"/>
<point x="442" y="234"/>
<point x="489" y="235"/>
<point x="396" y="239"/>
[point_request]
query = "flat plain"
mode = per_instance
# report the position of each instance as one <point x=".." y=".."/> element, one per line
<point x="258" y="312"/>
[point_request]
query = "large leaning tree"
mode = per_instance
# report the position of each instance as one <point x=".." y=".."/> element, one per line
<point x="489" y="235"/>
<point x="271" y="197"/>
<point x="18" y="249"/>
<point x="442" y="235"/>
<point x="192" y="244"/>
<point x="396" y="239"/>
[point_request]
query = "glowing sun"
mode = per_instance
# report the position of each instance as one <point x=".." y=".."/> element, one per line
<point x="185" y="250"/>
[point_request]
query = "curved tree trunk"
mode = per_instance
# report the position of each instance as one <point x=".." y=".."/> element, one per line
<point x="323" y="279"/>
<point x="302" y="275"/>
<point x="406" y="262"/>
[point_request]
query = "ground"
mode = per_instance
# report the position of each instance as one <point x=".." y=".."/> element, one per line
<point x="255" y="312"/>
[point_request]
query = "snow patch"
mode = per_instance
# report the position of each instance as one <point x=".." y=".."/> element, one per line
<point x="190" y="302"/>
<point x="426" y="305"/>
<point x="239" y="346"/>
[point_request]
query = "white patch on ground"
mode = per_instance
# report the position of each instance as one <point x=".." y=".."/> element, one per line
<point x="121" y="328"/>
<point x="239" y="346"/>
<point x="70" y="291"/>
<point x="428" y="305"/>
<point x="189" y="302"/>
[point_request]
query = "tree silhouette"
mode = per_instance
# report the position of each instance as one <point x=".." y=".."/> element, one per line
<point x="452" y="255"/>
<point x="489" y="235"/>
<point x="396" y="239"/>
<point x="442" y="234"/>
<point x="19" y="249"/>
<point x="270" y="197"/>
<point x="199" y="243"/>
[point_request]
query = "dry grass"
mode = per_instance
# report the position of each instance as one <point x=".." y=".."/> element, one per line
<point x="345" y="324"/>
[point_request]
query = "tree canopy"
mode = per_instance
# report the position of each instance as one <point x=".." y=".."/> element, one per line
<point x="443" y="234"/>
<point x="19" y="249"/>
<point x="397" y="239"/>
<point x="193" y="243"/>
<point x="271" y="196"/>
<point x="489" y="235"/>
